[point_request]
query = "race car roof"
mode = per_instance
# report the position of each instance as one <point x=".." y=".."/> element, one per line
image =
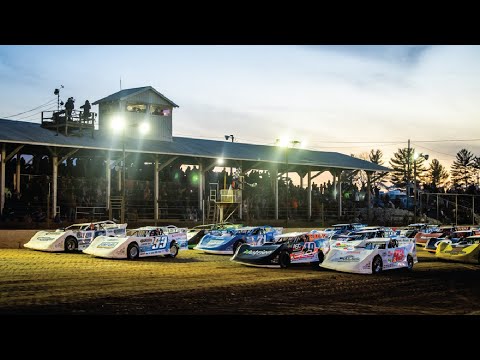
<point x="292" y="234"/>
<point x="28" y="133"/>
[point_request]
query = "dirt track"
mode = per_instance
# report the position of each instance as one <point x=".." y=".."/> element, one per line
<point x="33" y="282"/>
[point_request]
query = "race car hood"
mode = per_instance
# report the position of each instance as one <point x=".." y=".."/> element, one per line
<point x="213" y="241"/>
<point x="107" y="245"/>
<point x="463" y="253"/>
<point x="343" y="258"/>
<point x="256" y="255"/>
<point x="46" y="240"/>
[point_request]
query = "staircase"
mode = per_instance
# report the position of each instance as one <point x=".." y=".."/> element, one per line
<point x="212" y="213"/>
<point x="116" y="208"/>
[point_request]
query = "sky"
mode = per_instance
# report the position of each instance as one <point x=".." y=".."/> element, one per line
<point x="347" y="99"/>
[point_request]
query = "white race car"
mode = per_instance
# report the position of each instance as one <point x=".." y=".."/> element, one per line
<point x="74" y="237"/>
<point x="371" y="256"/>
<point x="141" y="242"/>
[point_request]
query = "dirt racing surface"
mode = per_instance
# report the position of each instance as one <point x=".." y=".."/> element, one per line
<point x="34" y="282"/>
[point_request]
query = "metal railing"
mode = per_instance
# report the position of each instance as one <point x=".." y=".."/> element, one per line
<point x="230" y="196"/>
<point x="93" y="213"/>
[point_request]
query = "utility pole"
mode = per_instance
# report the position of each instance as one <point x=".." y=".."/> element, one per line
<point x="233" y="139"/>
<point x="408" y="172"/>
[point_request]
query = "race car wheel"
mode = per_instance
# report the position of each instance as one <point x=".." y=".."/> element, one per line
<point x="377" y="265"/>
<point x="173" y="250"/>
<point x="410" y="262"/>
<point x="321" y="256"/>
<point x="284" y="259"/>
<point x="316" y="264"/>
<point x="70" y="244"/>
<point x="132" y="251"/>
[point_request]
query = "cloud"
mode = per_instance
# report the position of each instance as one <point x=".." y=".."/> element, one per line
<point x="398" y="54"/>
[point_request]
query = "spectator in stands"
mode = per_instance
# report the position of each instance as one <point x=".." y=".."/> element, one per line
<point x="57" y="219"/>
<point x="39" y="215"/>
<point x="72" y="205"/>
<point x="69" y="106"/>
<point x="146" y="192"/>
<point x="86" y="109"/>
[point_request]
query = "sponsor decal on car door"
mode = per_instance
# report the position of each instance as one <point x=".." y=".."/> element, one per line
<point x="303" y="252"/>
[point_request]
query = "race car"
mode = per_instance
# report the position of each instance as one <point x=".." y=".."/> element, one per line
<point x="453" y="237"/>
<point x="422" y="232"/>
<point x="371" y="256"/>
<point x="74" y="237"/>
<point x="341" y="229"/>
<point x="368" y="232"/>
<point x="195" y="234"/>
<point x="141" y="242"/>
<point x="227" y="242"/>
<point x="466" y="250"/>
<point x="286" y="249"/>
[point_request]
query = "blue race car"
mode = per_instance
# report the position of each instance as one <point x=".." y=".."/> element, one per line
<point x="227" y="242"/>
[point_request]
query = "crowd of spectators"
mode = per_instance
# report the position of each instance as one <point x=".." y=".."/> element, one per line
<point x="82" y="183"/>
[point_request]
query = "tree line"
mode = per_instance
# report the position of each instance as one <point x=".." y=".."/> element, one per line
<point x="463" y="173"/>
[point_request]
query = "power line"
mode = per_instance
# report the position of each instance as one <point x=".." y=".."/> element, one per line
<point x="435" y="151"/>
<point x="35" y="108"/>
<point x="350" y="147"/>
<point x="448" y="140"/>
<point x="369" y="142"/>
<point x="38" y="113"/>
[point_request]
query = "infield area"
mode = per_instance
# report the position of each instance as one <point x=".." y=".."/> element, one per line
<point x="34" y="282"/>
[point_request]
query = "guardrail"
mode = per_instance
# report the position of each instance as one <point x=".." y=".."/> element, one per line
<point x="95" y="212"/>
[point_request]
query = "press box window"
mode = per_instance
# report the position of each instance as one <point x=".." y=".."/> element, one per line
<point x="140" y="108"/>
<point x="158" y="110"/>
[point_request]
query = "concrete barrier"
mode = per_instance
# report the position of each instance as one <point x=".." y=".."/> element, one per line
<point x="14" y="239"/>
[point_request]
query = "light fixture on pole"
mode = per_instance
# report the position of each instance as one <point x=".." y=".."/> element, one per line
<point x="415" y="157"/>
<point x="57" y="92"/>
<point x="286" y="144"/>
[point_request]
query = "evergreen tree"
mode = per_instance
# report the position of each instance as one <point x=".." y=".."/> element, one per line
<point x="437" y="175"/>
<point x="400" y="164"/>
<point x="462" y="169"/>
<point x="375" y="157"/>
<point x="360" y="179"/>
<point x="476" y="166"/>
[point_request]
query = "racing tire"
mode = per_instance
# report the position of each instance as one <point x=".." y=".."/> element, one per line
<point x="284" y="259"/>
<point x="377" y="265"/>
<point x="409" y="262"/>
<point x="316" y="264"/>
<point x="236" y="246"/>
<point x="173" y="251"/>
<point x="70" y="244"/>
<point x="133" y="251"/>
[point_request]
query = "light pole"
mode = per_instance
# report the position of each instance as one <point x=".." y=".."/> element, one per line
<point x="287" y="144"/>
<point x="119" y="124"/>
<point x="124" y="169"/>
<point x="415" y="157"/>
<point x="233" y="138"/>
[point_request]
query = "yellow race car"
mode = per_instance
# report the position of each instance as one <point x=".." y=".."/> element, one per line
<point x="466" y="250"/>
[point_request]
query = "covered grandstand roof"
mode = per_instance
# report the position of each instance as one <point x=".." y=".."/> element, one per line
<point x="21" y="132"/>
